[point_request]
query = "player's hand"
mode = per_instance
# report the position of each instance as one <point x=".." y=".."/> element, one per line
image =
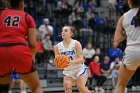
<point x="71" y="62"/>
<point x="61" y="68"/>
<point x="57" y="56"/>
<point x="115" y="44"/>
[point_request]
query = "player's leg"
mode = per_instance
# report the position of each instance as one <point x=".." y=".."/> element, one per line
<point x="32" y="80"/>
<point x="11" y="85"/>
<point x="4" y="83"/>
<point x="123" y="77"/>
<point x="25" y="68"/>
<point x="81" y="82"/>
<point x="68" y="82"/>
<point x="21" y="84"/>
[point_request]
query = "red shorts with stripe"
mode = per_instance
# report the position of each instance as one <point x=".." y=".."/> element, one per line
<point x="18" y="58"/>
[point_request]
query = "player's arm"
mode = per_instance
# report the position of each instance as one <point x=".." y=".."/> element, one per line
<point x="56" y="52"/>
<point x="32" y="40"/>
<point x="31" y="35"/>
<point x="79" y="54"/>
<point x="40" y="30"/>
<point x="119" y="33"/>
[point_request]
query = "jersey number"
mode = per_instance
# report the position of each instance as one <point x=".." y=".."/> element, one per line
<point x="70" y="57"/>
<point x="134" y="22"/>
<point x="14" y="22"/>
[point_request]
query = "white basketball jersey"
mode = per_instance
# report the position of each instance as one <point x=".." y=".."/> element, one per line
<point x="131" y="28"/>
<point x="70" y="52"/>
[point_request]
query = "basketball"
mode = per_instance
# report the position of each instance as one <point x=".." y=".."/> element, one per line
<point x="61" y="61"/>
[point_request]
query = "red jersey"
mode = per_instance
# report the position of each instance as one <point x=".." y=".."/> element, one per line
<point x="14" y="26"/>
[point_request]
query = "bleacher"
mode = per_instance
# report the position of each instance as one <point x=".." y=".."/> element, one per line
<point x="52" y="80"/>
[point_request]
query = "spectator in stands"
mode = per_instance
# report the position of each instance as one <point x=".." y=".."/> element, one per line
<point x="98" y="3"/>
<point x="100" y="21"/>
<point x="105" y="67"/>
<point x="119" y="6"/>
<point x="115" y="51"/>
<point x="66" y="8"/>
<point x="39" y="52"/>
<point x="62" y="11"/>
<point x="16" y="79"/>
<point x="90" y="14"/>
<point x="46" y="29"/>
<point x="95" y="73"/>
<point x="78" y="18"/>
<point x="111" y="5"/>
<point x="135" y="80"/>
<point x="48" y="47"/>
<point x="50" y="6"/>
<point x="111" y="24"/>
<point x="114" y="67"/>
<point x="76" y="14"/>
<point x="88" y="53"/>
<point x="99" y="53"/>
<point x="58" y="9"/>
<point x="85" y="33"/>
<point x="80" y="2"/>
<point x="89" y="4"/>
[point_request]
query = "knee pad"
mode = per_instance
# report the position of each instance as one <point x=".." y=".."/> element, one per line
<point x="4" y="88"/>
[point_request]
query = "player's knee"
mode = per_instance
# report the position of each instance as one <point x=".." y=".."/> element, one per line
<point x="122" y="82"/>
<point x="4" y="88"/>
<point x="35" y="87"/>
<point x="67" y="85"/>
<point x="21" y="81"/>
<point x="80" y="86"/>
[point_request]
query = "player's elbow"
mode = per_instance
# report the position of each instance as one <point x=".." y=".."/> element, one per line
<point x="33" y="45"/>
<point x="82" y="60"/>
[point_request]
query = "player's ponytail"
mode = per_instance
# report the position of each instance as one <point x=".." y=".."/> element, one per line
<point x="73" y="30"/>
<point x="138" y="17"/>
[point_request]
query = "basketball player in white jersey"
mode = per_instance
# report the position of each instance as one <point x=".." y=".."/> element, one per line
<point x="130" y="23"/>
<point x="76" y="72"/>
